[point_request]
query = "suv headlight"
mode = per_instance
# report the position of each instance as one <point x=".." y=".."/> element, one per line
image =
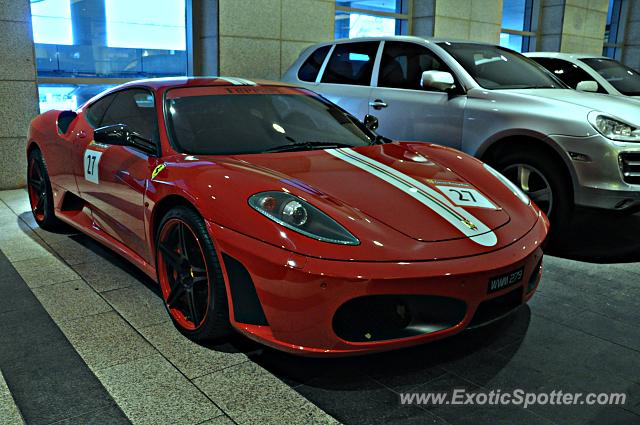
<point x="612" y="128"/>
<point x="511" y="185"/>
<point x="298" y="215"/>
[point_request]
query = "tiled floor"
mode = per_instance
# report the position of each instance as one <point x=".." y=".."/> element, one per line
<point x="117" y="324"/>
<point x="579" y="334"/>
<point x="8" y="410"/>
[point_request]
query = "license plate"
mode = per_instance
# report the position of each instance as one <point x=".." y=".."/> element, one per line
<point x="506" y="280"/>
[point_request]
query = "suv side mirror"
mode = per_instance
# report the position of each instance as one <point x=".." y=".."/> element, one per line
<point x="371" y="122"/>
<point x="590" y="86"/>
<point x="438" y="80"/>
<point x="122" y="135"/>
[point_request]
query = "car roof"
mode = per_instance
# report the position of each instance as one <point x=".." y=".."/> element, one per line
<point x="566" y="56"/>
<point x="403" y="38"/>
<point x="172" y="82"/>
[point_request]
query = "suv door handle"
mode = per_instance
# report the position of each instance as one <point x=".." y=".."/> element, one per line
<point x="82" y="134"/>
<point x="378" y="104"/>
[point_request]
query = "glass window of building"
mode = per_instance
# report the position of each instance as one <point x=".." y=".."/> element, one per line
<point x="371" y="18"/>
<point x="85" y="46"/>
<point x="519" y="20"/>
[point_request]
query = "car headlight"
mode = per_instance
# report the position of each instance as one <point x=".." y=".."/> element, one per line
<point x="298" y="215"/>
<point x="511" y="185"/>
<point x="612" y="128"/>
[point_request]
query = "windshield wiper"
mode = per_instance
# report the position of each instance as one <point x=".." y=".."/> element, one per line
<point x="301" y="146"/>
<point x="548" y="86"/>
<point x="381" y="140"/>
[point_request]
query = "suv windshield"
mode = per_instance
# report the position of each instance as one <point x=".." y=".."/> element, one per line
<point x="217" y="120"/>
<point x="623" y="78"/>
<point x="495" y="67"/>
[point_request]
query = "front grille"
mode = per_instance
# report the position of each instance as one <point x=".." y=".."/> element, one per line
<point x="383" y="317"/>
<point x="496" y="308"/>
<point x="630" y="166"/>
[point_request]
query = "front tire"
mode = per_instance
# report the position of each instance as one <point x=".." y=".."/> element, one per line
<point x="40" y="193"/>
<point x="543" y="179"/>
<point x="190" y="276"/>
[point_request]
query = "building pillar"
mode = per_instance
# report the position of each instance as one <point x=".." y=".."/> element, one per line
<point x="478" y="20"/>
<point x="583" y="26"/>
<point x="551" y="26"/>
<point x="202" y="37"/>
<point x="18" y="90"/>
<point x="89" y="25"/>
<point x="573" y="26"/>
<point x="631" y="35"/>
<point x="262" y="38"/>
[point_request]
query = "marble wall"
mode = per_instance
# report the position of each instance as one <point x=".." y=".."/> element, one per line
<point x="478" y="20"/>
<point x="573" y="26"/>
<point x="631" y="37"/>
<point x="18" y="90"/>
<point x="583" y="26"/>
<point x="262" y="38"/>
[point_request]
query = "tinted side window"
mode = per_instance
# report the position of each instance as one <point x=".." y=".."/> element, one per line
<point x="351" y="63"/>
<point x="569" y="73"/>
<point x="402" y="65"/>
<point x="310" y="68"/>
<point x="96" y="111"/>
<point x="136" y="109"/>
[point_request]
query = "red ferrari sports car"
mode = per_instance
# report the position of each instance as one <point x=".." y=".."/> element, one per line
<point x="264" y="208"/>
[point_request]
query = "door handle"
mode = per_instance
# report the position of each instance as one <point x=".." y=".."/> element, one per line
<point x="82" y="134"/>
<point x="378" y="104"/>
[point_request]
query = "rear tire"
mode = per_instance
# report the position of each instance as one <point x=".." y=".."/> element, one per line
<point x="190" y="276"/>
<point x="544" y="179"/>
<point x="40" y="193"/>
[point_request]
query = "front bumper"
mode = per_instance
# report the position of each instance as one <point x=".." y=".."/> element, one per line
<point x="598" y="174"/>
<point x="301" y="295"/>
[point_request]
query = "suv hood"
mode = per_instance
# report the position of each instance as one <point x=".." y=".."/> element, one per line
<point x="627" y="109"/>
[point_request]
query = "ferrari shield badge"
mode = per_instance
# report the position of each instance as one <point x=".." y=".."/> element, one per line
<point x="157" y="170"/>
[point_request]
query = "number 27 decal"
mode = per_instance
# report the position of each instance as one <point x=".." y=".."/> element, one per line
<point x="91" y="166"/>
<point x="466" y="197"/>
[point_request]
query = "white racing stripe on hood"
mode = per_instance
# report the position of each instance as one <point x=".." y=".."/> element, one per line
<point x="460" y="218"/>
<point x="238" y="81"/>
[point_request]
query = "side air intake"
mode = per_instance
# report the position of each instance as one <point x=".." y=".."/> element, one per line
<point x="246" y="304"/>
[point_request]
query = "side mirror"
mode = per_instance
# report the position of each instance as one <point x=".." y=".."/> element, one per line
<point x="438" y="80"/>
<point x="371" y="122"/>
<point x="122" y="135"/>
<point x="590" y="86"/>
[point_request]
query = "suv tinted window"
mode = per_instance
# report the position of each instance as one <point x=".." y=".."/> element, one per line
<point x="495" y="67"/>
<point x="96" y="110"/>
<point x="351" y="63"/>
<point x="569" y="73"/>
<point x="402" y="65"/>
<point x="136" y="109"/>
<point x="310" y="68"/>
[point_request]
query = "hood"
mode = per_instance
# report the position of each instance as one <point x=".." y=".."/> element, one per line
<point x="627" y="109"/>
<point x="394" y="184"/>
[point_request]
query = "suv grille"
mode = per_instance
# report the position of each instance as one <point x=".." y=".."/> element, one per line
<point x="630" y="165"/>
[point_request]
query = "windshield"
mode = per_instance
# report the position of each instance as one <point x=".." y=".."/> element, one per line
<point x="217" y="120"/>
<point x="623" y="78"/>
<point x="495" y="67"/>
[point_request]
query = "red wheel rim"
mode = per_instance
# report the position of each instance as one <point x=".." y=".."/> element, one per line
<point x="183" y="274"/>
<point x="37" y="189"/>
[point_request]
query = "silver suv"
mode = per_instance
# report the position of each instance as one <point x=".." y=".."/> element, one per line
<point x="561" y="146"/>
